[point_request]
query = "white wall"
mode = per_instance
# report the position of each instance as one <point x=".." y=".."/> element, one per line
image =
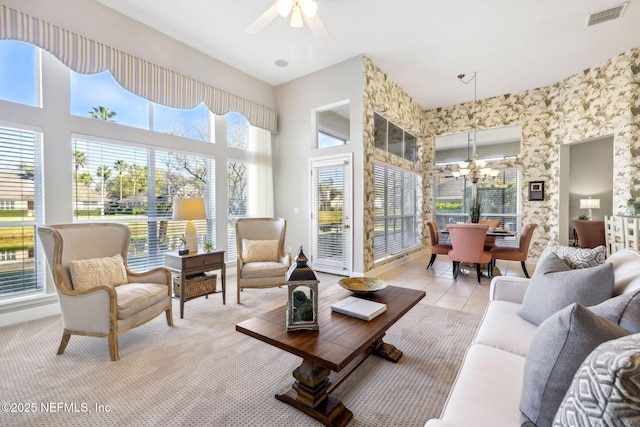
<point x="293" y="146"/>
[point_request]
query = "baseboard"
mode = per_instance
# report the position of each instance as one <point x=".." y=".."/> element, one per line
<point x="30" y="309"/>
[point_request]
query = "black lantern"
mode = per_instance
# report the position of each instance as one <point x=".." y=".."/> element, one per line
<point x="302" y="291"/>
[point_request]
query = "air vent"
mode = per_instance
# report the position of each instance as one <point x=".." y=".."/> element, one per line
<point x="607" y="15"/>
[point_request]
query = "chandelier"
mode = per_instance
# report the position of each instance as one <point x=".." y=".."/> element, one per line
<point x="474" y="169"/>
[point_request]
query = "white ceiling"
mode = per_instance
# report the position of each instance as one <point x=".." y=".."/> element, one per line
<point x="422" y="45"/>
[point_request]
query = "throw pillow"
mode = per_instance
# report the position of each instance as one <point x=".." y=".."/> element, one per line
<point x="89" y="273"/>
<point x="575" y="257"/>
<point x="606" y="387"/>
<point x="259" y="250"/>
<point x="558" y="347"/>
<point x="623" y="310"/>
<point x="554" y="285"/>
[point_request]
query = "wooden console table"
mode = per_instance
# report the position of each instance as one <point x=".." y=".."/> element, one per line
<point x="193" y="264"/>
<point x="332" y="353"/>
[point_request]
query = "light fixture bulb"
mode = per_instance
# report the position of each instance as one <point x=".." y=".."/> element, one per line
<point x="309" y="8"/>
<point x="296" y="17"/>
<point x="455" y="174"/>
<point x="463" y="165"/>
<point x="284" y="7"/>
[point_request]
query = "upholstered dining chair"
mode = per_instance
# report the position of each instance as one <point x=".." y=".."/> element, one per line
<point x="468" y="246"/>
<point x="516" y="254"/>
<point x="437" y="248"/>
<point x="261" y="260"/>
<point x="590" y="233"/>
<point x="99" y="296"/>
<point x="490" y="241"/>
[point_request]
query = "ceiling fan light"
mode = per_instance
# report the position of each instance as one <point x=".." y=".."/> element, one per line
<point x="284" y="7"/>
<point x="309" y="8"/>
<point x="296" y="17"/>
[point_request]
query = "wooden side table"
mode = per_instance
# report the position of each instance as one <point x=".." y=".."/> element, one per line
<point x="193" y="264"/>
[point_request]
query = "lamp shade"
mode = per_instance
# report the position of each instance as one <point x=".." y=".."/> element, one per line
<point x="189" y="209"/>
<point x="589" y="203"/>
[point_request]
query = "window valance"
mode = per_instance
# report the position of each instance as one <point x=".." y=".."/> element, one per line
<point x="141" y="77"/>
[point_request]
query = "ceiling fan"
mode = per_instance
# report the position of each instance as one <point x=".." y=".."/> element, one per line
<point x="300" y="11"/>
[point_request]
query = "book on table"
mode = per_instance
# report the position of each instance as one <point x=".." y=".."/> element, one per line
<point x="359" y="308"/>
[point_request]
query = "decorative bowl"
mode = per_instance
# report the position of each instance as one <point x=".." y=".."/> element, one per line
<point x="362" y="285"/>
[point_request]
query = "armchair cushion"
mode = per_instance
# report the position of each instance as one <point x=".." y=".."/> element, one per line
<point x="89" y="273"/>
<point x="555" y="285"/>
<point x="575" y="257"/>
<point x="259" y="250"/>
<point x="255" y="270"/>
<point x="135" y="297"/>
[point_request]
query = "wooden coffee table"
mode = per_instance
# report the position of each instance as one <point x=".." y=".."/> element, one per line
<point x="335" y="351"/>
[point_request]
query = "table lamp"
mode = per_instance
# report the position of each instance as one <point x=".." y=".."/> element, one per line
<point x="590" y="204"/>
<point x="189" y="209"/>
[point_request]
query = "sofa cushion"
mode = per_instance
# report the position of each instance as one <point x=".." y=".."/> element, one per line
<point x="89" y="273"/>
<point x="606" y="387"/>
<point x="486" y="390"/>
<point x="259" y="250"/>
<point x="135" y="297"/>
<point x="554" y="285"/>
<point x="575" y="257"/>
<point x="623" y="310"/>
<point x="626" y="265"/>
<point x="492" y="331"/>
<point x="559" y="346"/>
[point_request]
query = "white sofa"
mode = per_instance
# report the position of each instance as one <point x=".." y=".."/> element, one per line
<point x="488" y="387"/>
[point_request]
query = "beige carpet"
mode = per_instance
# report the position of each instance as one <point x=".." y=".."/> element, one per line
<point x="203" y="372"/>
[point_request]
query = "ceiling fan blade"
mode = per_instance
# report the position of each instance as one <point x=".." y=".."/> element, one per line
<point x="263" y="20"/>
<point x="317" y="27"/>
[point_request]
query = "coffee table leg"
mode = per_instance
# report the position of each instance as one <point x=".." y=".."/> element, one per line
<point x="386" y="351"/>
<point x="309" y="395"/>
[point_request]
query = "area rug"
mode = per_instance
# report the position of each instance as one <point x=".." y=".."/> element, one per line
<point x="201" y="372"/>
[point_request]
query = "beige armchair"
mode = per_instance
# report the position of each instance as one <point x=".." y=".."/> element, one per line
<point x="99" y="295"/>
<point x="261" y="259"/>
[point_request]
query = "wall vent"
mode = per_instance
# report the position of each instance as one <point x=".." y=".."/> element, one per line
<point x="607" y="15"/>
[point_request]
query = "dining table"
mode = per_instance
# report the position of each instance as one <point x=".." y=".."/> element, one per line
<point x="491" y="231"/>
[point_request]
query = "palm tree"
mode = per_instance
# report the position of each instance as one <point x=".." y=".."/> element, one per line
<point x="102" y="113"/>
<point x="79" y="159"/>
<point x="103" y="172"/>
<point x="85" y="178"/>
<point x="136" y="172"/>
<point x="120" y="166"/>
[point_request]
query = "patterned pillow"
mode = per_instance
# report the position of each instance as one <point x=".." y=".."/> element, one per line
<point x="259" y="250"/>
<point x="575" y="257"/>
<point x="605" y="389"/>
<point x="89" y="273"/>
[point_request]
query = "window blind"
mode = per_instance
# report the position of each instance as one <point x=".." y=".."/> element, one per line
<point x="21" y="208"/>
<point x="136" y="185"/>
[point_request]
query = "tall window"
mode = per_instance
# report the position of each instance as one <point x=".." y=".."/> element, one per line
<point x="22" y="210"/>
<point x="499" y="200"/>
<point x="396" y="211"/>
<point x="137" y="185"/>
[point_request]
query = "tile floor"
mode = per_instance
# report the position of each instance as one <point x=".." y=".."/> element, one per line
<point x="441" y="290"/>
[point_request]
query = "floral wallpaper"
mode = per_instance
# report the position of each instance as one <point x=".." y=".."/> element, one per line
<point x="602" y="100"/>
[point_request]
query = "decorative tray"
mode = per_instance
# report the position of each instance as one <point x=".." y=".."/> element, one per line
<point x="362" y="285"/>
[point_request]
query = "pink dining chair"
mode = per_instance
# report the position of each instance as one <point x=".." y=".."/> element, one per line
<point x="490" y="241"/>
<point x="437" y="248"/>
<point x="468" y="246"/>
<point x="516" y="254"/>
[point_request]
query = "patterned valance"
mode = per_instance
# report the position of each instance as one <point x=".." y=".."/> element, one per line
<point x="143" y="78"/>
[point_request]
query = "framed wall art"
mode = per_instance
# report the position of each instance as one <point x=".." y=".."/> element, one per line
<point x="536" y="190"/>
